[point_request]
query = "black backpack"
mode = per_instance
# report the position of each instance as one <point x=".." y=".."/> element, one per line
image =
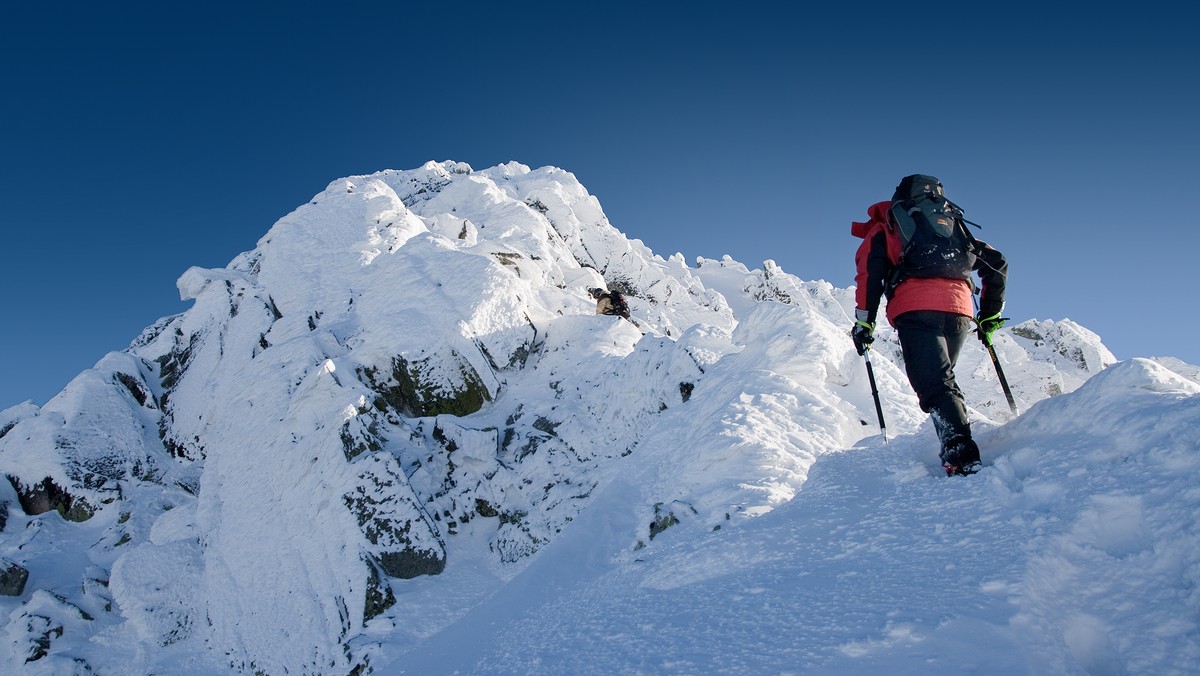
<point x="933" y="234"/>
<point x="620" y="307"/>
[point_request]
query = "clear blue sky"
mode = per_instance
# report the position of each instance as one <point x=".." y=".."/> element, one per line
<point x="138" y="139"/>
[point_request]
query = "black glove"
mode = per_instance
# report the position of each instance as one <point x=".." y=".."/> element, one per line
<point x="863" y="332"/>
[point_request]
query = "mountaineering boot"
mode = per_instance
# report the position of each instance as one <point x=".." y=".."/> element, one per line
<point x="965" y="470"/>
<point x="960" y="456"/>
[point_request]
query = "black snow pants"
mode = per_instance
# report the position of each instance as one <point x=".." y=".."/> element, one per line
<point x="931" y="341"/>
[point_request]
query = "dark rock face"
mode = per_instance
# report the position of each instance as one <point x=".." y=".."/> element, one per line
<point x="663" y="519"/>
<point x="402" y="541"/>
<point x="12" y="578"/>
<point x="46" y="495"/>
<point x="407" y="392"/>
<point x="379" y="595"/>
<point x="410" y="563"/>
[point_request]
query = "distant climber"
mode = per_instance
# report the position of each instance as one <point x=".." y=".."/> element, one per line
<point x="917" y="252"/>
<point x="610" y="303"/>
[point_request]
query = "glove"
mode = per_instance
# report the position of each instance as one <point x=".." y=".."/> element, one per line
<point x="988" y="326"/>
<point x="862" y="333"/>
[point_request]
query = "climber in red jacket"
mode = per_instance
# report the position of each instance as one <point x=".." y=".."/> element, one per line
<point x="917" y="252"/>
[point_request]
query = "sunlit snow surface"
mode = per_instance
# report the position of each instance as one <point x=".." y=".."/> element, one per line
<point x="734" y="416"/>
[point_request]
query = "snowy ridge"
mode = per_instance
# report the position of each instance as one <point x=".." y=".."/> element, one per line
<point x="395" y="420"/>
<point x="1068" y="554"/>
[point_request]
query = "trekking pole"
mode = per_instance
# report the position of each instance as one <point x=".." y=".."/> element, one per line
<point x="986" y="340"/>
<point x="875" y="394"/>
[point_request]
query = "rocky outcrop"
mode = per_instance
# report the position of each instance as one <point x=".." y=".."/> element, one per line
<point x="12" y="578"/>
<point x="46" y="495"/>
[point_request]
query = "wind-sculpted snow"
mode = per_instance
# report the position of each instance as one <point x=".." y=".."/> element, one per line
<point x="381" y="428"/>
<point x="1073" y="552"/>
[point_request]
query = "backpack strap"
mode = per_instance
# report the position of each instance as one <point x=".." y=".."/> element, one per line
<point x="894" y="230"/>
<point x="957" y="212"/>
<point x="904" y="222"/>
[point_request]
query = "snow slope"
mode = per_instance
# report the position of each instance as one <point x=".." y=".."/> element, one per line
<point x="394" y="436"/>
<point x="1074" y="551"/>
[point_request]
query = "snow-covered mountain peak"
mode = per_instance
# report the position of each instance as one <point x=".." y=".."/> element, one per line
<point x="401" y="397"/>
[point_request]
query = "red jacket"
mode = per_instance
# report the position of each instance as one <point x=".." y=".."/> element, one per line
<point x="879" y="254"/>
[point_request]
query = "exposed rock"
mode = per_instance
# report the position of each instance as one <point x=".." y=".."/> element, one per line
<point x="46" y="495"/>
<point x="379" y="594"/>
<point x="402" y="540"/>
<point x="410" y="563"/>
<point x="12" y="578"/>
<point x="407" y="391"/>
<point x="485" y="509"/>
<point x="663" y="519"/>
<point x="135" y="387"/>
